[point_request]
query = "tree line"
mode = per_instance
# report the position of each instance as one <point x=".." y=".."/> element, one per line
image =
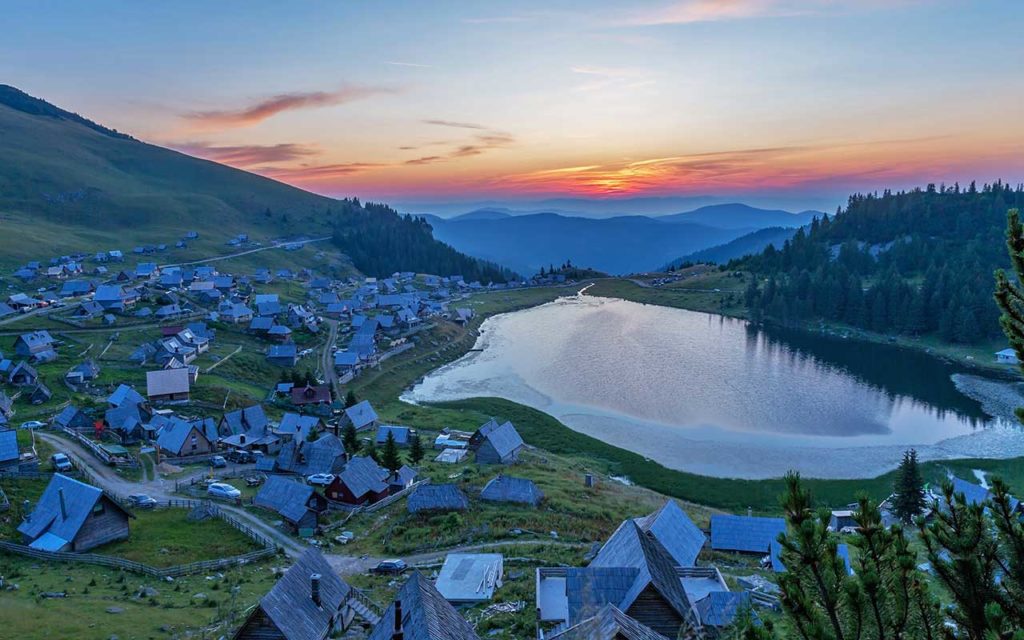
<point x="380" y="241"/>
<point x="916" y="262"/>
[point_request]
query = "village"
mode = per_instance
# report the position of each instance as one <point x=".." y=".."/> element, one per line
<point x="185" y="425"/>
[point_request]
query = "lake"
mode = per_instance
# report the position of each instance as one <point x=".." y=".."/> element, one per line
<point x="718" y="396"/>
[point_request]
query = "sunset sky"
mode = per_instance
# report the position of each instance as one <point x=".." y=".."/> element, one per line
<point x="800" y="101"/>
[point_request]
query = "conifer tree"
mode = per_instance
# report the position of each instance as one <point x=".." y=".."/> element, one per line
<point x="351" y="399"/>
<point x="416" y="452"/>
<point x="370" y="450"/>
<point x="389" y="457"/>
<point x="909" y="498"/>
<point x="1010" y="294"/>
<point x="350" y="438"/>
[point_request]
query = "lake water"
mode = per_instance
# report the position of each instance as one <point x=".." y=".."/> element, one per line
<point x="718" y="396"/>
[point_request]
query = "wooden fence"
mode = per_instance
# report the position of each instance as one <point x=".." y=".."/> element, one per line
<point x="269" y="548"/>
<point x="371" y="508"/>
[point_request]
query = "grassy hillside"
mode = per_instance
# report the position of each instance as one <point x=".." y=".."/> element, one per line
<point x="68" y="184"/>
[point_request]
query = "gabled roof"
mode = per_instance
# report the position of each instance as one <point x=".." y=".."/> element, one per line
<point x="79" y="499"/>
<point x="361" y="414"/>
<point x="9" y="445"/>
<point x="172" y="436"/>
<point x="608" y="624"/>
<point x="289" y="603"/>
<point x="509" y="489"/>
<point x="719" y="608"/>
<point x="426" y="615"/>
<point x="287" y="497"/>
<point x="300" y="425"/>
<point x="362" y="476"/>
<point x="504" y="437"/>
<point x="669" y="525"/>
<point x="306" y="458"/>
<point x="167" y="381"/>
<point x="437" y="497"/>
<point x="124" y="395"/>
<point x="251" y="420"/>
<point x="402" y="435"/>
<point x="751" y="534"/>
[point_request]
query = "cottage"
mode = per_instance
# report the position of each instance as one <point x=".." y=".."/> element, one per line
<point x="326" y="454"/>
<point x="361" y="415"/>
<point x="470" y="578"/>
<point x="669" y="525"/>
<point x="71" y="417"/>
<point x="401" y="480"/>
<point x="31" y="344"/>
<point x="451" y="456"/>
<point x="345" y="361"/>
<point x="309" y="602"/>
<point x="73" y="516"/>
<point x="420" y="612"/>
<point x="650" y="593"/>
<point x="403" y="435"/>
<point x="1007" y="356"/>
<point x="168" y="385"/>
<point x="362" y="481"/>
<point x="515" y="490"/>
<point x="112" y="297"/>
<point x="745" y="534"/>
<point x="41" y="394"/>
<point x="283" y="355"/>
<point x="124" y="395"/>
<point x="298" y="504"/>
<point x="251" y="420"/>
<point x="10" y="455"/>
<point x="298" y="427"/>
<point x="496" y="443"/>
<point x="23" y="375"/>
<point x="437" y="497"/>
<point x="311" y="395"/>
<point x="180" y="439"/>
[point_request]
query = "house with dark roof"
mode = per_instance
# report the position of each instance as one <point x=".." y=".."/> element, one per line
<point x="420" y="612"/>
<point x="402" y="435"/>
<point x="362" y="481"/>
<point x="298" y="504"/>
<point x="309" y="602"/>
<point x="179" y="438"/>
<point x="311" y="395"/>
<point x="124" y="395"/>
<point x="23" y="375"/>
<point x="71" y="417"/>
<point x="496" y="443"/>
<point x="326" y="454"/>
<point x="361" y="415"/>
<point x="650" y="593"/>
<point x="295" y="426"/>
<point x="669" y="525"/>
<point x="31" y="344"/>
<point x="515" y="490"/>
<point x="251" y="420"/>
<point x="40" y="394"/>
<point x="10" y="455"/>
<point x="608" y="624"/>
<point x="73" y="516"/>
<point x="283" y="355"/>
<point x="745" y="534"/>
<point x="168" y="385"/>
<point x="437" y="498"/>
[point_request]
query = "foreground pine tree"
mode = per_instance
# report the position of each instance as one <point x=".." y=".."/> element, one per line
<point x="1010" y="294"/>
<point x="908" y="497"/>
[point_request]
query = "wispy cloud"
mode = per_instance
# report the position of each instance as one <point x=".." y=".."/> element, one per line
<point x="497" y="20"/>
<point x="395" y="63"/>
<point x="695" y="11"/>
<point x="246" y="156"/>
<point x="605" y="77"/>
<point x="319" y="173"/>
<point x="478" y="144"/>
<point x="453" y="124"/>
<point x="268" y="107"/>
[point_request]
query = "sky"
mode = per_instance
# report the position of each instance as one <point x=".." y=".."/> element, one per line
<point x="795" y="102"/>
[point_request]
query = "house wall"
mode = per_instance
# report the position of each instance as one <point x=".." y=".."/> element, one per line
<point x="651" y="609"/>
<point x="101" y="528"/>
<point x="487" y="454"/>
<point x="203" y="445"/>
<point x="339" y="492"/>
<point x="259" y="627"/>
<point x="169" y="397"/>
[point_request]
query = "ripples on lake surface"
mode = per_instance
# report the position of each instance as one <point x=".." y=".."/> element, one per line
<point x="719" y="396"/>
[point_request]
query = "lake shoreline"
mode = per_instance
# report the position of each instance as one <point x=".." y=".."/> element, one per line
<point x="727" y="459"/>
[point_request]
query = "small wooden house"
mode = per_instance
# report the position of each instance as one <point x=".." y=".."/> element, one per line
<point x="73" y="516"/>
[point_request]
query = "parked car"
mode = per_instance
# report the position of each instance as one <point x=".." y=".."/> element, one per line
<point x="240" y="457"/>
<point x="321" y="479"/>
<point x="33" y="424"/>
<point x="390" y="567"/>
<point x="218" y="462"/>
<point x="141" y="501"/>
<point x="221" y="490"/>
<point x="61" y="462"/>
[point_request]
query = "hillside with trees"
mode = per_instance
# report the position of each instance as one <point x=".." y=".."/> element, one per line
<point x="915" y="263"/>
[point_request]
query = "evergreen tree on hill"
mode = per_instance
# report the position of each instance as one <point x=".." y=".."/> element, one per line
<point x="389" y="456"/>
<point x="416" y="452"/>
<point x="909" y="497"/>
<point x="350" y="438"/>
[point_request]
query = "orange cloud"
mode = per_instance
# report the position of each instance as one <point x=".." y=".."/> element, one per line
<point x="269" y="107"/>
<point x="247" y="156"/>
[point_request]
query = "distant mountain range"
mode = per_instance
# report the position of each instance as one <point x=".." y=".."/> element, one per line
<point x="618" y="245"/>
<point x="751" y="243"/>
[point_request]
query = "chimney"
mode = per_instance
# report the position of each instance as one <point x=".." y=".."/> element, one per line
<point x="63" y="507"/>
<point x="314" y="588"/>
<point x="25" y="509"/>
<point x="241" y="438"/>
<point x="398" y="634"/>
